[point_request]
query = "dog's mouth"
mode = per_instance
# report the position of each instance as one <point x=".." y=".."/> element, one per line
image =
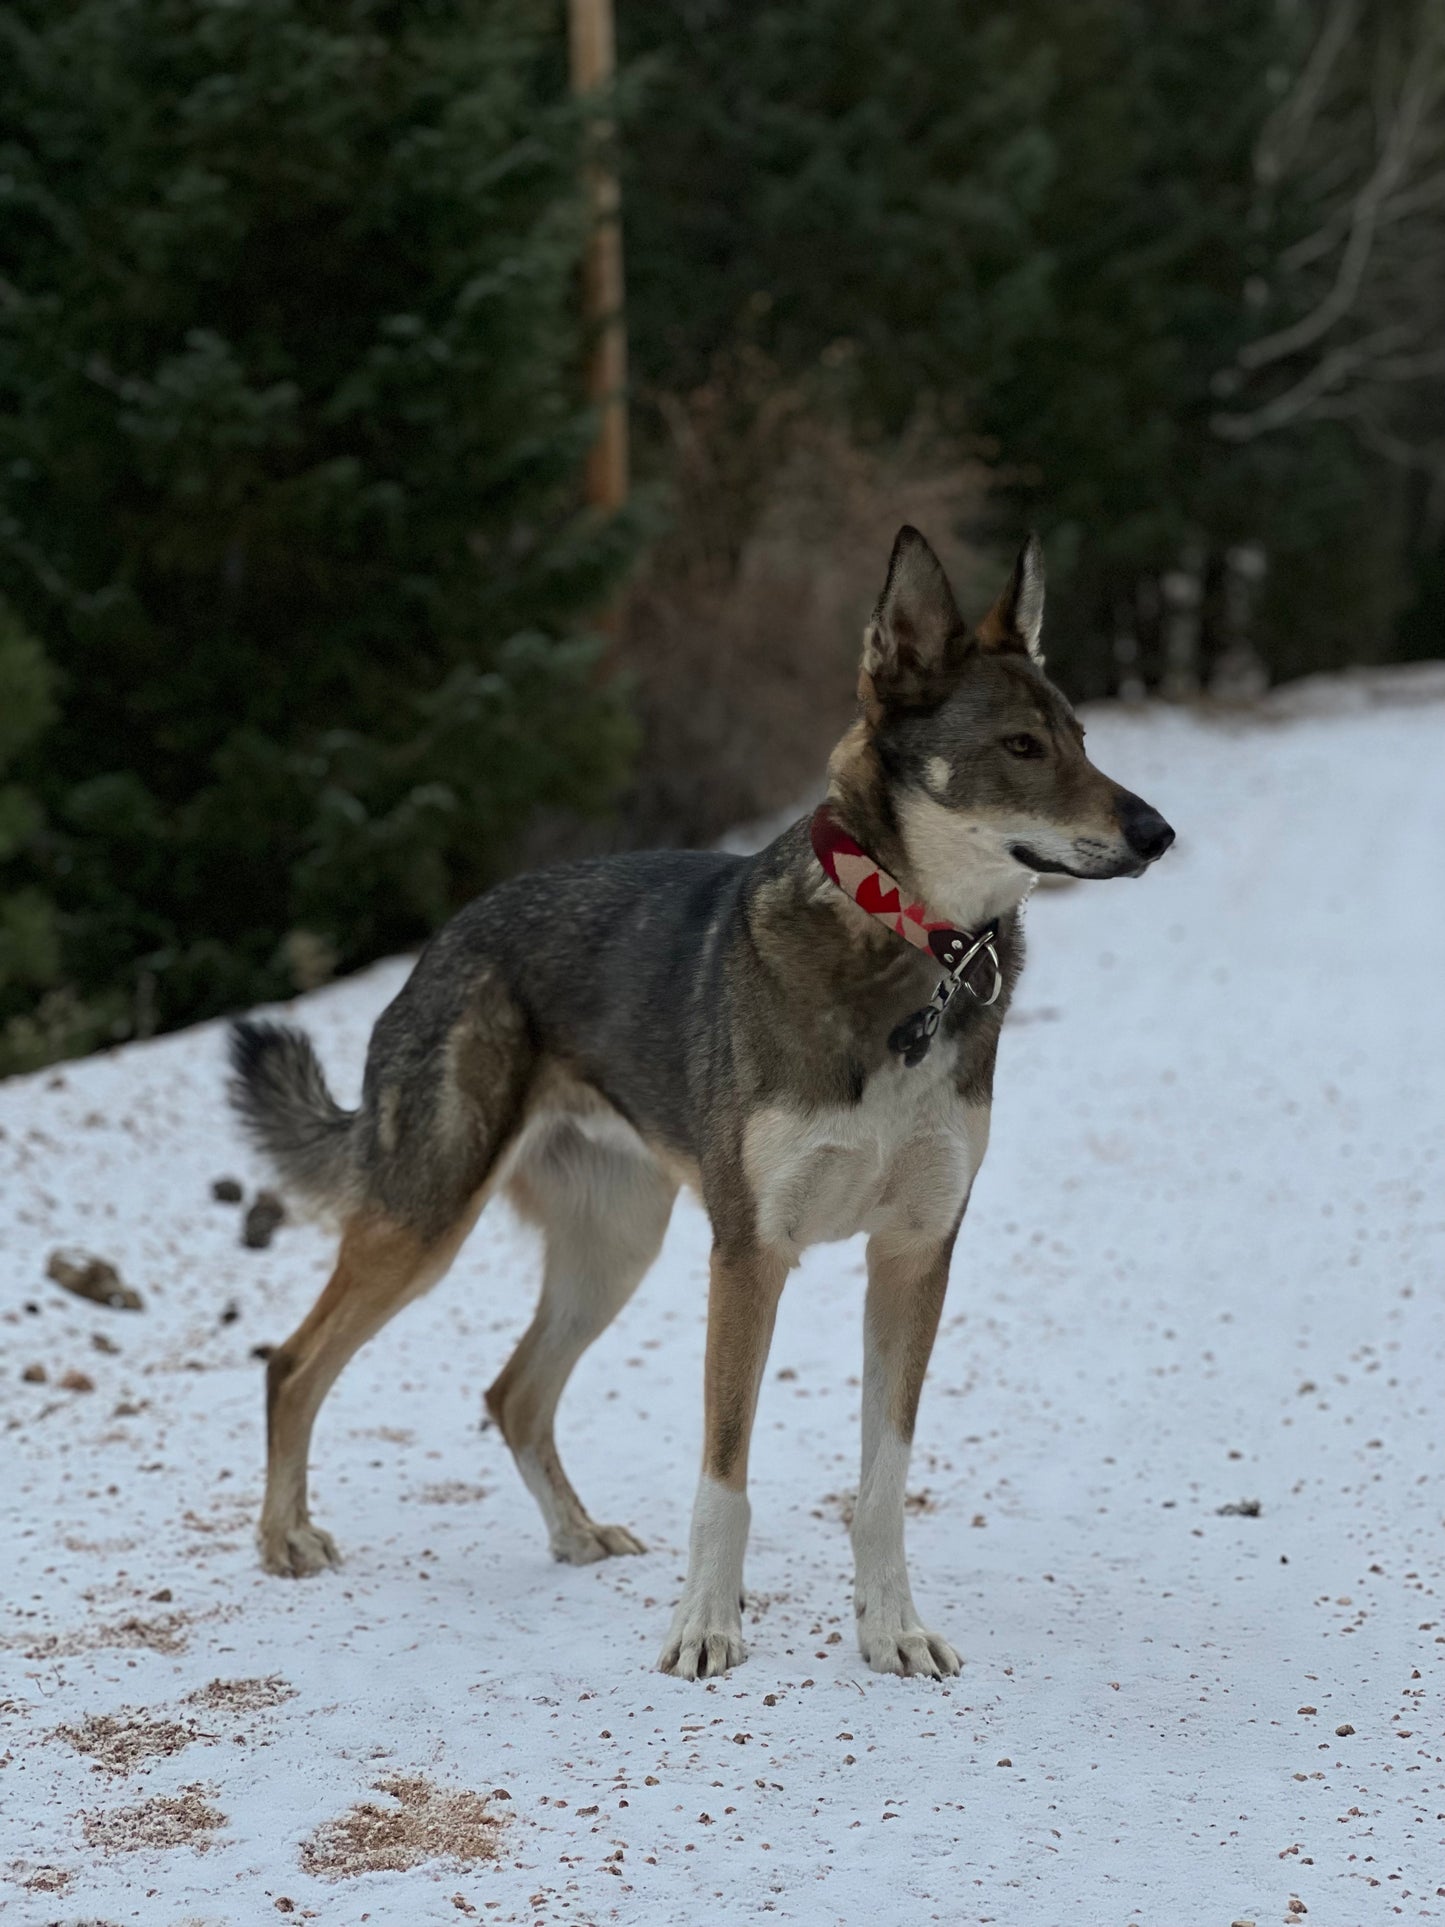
<point x="1130" y="866"/>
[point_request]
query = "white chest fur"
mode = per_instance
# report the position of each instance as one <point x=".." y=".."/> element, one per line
<point x="900" y="1160"/>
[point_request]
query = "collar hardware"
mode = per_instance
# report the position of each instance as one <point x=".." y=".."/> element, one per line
<point x="967" y="958"/>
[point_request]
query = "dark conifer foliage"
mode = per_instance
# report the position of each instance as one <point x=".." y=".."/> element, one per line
<point x="289" y="444"/>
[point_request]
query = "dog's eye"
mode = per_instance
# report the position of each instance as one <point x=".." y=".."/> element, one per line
<point x="1023" y="745"/>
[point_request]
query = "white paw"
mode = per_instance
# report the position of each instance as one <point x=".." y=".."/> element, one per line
<point x="891" y="1645"/>
<point x="705" y="1640"/>
<point x="584" y="1545"/>
<point x="297" y="1551"/>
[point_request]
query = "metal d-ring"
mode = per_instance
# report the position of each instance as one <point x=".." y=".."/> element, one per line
<point x="985" y="942"/>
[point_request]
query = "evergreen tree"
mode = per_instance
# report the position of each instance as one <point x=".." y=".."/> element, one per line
<point x="289" y="440"/>
<point x="863" y="179"/>
<point x="28" y="956"/>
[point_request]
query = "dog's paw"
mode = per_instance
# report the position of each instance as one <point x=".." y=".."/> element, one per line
<point x="704" y="1655"/>
<point x="584" y="1545"/>
<point x="295" y="1552"/>
<point x="908" y="1650"/>
<point x="703" y="1642"/>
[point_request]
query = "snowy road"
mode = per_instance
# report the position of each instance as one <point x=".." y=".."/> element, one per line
<point x="1204" y="1266"/>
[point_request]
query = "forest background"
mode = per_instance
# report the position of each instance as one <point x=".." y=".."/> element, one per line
<point x="308" y="630"/>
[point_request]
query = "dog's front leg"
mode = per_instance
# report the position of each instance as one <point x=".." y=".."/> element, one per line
<point x="706" y="1636"/>
<point x="906" y="1284"/>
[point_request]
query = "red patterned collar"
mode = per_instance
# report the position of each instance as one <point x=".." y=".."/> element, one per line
<point x="967" y="958"/>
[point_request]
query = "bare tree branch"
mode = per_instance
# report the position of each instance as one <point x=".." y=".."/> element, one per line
<point x="1312" y="387"/>
<point x="1288" y="129"/>
<point x="1353" y="161"/>
<point x="1420" y="91"/>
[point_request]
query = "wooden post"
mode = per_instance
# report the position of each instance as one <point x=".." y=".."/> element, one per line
<point x="592" y="46"/>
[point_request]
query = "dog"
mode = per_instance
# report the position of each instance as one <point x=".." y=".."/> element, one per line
<point x="806" y="1037"/>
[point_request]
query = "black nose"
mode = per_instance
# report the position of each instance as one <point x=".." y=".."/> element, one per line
<point x="1145" y="830"/>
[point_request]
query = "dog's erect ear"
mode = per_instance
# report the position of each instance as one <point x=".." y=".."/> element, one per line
<point x="1016" y="620"/>
<point x="913" y="644"/>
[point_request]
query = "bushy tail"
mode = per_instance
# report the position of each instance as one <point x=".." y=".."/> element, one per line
<point x="280" y="1091"/>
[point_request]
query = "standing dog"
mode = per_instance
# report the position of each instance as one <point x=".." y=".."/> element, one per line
<point x="806" y="1036"/>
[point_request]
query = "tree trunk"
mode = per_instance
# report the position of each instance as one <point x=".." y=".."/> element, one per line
<point x="592" y="48"/>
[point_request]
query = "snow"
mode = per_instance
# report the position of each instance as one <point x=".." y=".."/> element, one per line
<point x="1203" y="1265"/>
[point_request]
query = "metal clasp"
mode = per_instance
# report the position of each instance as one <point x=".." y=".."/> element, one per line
<point x="985" y="943"/>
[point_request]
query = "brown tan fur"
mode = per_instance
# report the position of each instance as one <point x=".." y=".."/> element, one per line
<point x="743" y="1295"/>
<point x="906" y="1287"/>
<point x="590" y="1041"/>
<point x="380" y="1268"/>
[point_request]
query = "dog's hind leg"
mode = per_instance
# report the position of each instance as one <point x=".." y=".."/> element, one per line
<point x="448" y="1072"/>
<point x="380" y="1267"/>
<point x="603" y="1212"/>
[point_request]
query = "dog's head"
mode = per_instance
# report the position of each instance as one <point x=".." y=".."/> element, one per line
<point x="982" y="758"/>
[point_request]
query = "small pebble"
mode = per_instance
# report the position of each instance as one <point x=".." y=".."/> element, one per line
<point x="94" y="1278"/>
<point x="263" y="1214"/>
<point x="227" y="1191"/>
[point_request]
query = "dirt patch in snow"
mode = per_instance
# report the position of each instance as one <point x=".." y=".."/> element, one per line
<point x="243" y="1695"/>
<point x="166" y="1633"/>
<point x="120" y="1742"/>
<point x="427" y="1823"/>
<point x="184" y="1819"/>
<point x="42" y="1880"/>
<point x="229" y="1519"/>
<point x="100" y="1548"/>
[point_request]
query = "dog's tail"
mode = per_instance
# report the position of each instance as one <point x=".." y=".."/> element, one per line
<point x="279" y="1090"/>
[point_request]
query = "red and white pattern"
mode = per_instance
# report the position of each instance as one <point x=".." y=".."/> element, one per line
<point x="968" y="959"/>
<point x="868" y="883"/>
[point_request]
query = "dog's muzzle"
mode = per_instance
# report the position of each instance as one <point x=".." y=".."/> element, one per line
<point x="1145" y="830"/>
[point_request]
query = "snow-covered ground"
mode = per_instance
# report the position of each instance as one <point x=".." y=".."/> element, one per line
<point x="1205" y="1265"/>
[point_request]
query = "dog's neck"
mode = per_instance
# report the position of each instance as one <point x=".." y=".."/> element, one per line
<point x="965" y="888"/>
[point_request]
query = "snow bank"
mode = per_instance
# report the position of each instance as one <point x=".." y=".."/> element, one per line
<point x="1203" y="1268"/>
